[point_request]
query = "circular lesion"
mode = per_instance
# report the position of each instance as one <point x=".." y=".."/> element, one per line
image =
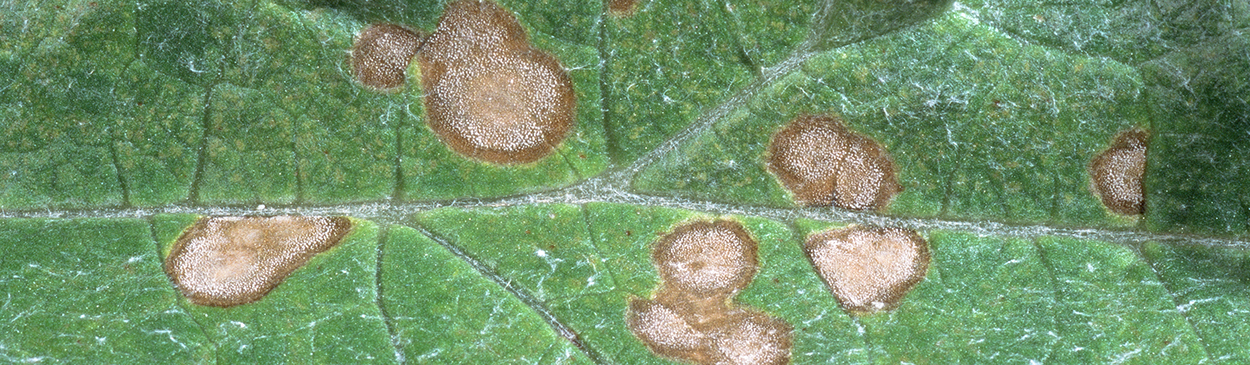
<point x="707" y="257"/>
<point x="381" y="53"/>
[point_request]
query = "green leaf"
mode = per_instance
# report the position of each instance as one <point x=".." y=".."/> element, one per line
<point x="91" y="290"/>
<point x="122" y="123"/>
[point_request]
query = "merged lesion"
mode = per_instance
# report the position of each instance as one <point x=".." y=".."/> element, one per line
<point x="822" y="162"/>
<point x="691" y="318"/>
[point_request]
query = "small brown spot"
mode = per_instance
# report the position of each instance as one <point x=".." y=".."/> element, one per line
<point x="227" y="261"/>
<point x="1116" y="174"/>
<point x="691" y="318"/>
<point x="823" y="163"/>
<point x="622" y="8"/>
<point x="381" y="53"/>
<point x="869" y="269"/>
<point x="490" y="94"/>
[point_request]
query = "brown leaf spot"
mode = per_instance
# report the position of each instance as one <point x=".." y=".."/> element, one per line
<point x="622" y="8"/>
<point x="823" y="163"/>
<point x="691" y="318"/>
<point x="869" y="269"/>
<point x="228" y="261"/>
<point x="1116" y="174"/>
<point x="381" y="53"/>
<point x="490" y="94"/>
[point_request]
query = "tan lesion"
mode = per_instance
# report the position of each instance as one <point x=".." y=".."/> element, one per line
<point x="228" y="261"/>
<point x="869" y="269"/>
<point x="622" y="8"/>
<point x="381" y="54"/>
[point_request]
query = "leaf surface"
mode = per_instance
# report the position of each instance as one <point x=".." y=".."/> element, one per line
<point x="122" y="123"/>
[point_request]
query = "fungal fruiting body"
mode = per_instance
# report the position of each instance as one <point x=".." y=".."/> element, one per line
<point x="381" y="53"/>
<point x="1116" y="174"/>
<point x="703" y="265"/>
<point x="489" y="94"/>
<point x="869" y="269"/>
<point x="228" y="261"/>
<point x="821" y="163"/>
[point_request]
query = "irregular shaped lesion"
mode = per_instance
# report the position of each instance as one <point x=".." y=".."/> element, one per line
<point x="822" y="162"/>
<point x="691" y="318"/>
<point x="490" y="94"/>
<point x="228" y="261"/>
<point x="1116" y="173"/>
<point x="869" y="269"/>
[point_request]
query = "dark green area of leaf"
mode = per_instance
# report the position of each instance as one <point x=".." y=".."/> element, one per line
<point x="325" y="312"/>
<point x="90" y="291"/>
<point x="1209" y="287"/>
<point x="444" y="311"/>
<point x="840" y="23"/>
<point x="57" y="100"/>
<point x="666" y="64"/>
<point x="1198" y="167"/>
<point x="992" y="110"/>
<point x="980" y="126"/>
<point x="1127" y="31"/>
<point x="245" y="103"/>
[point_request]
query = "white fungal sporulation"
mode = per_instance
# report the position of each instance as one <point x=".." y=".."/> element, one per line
<point x="227" y="261"/>
<point x="822" y="162"/>
<point x="1116" y="174"/>
<point x="490" y="94"/>
<point x="869" y="269"/>
<point x="755" y="338"/>
<point x="664" y="327"/>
